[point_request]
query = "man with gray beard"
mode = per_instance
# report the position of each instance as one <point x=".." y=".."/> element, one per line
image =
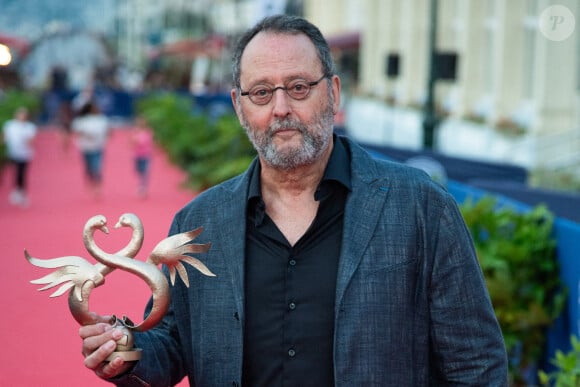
<point x="332" y="268"/>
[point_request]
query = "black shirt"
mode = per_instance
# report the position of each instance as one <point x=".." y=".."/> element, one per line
<point x="290" y="290"/>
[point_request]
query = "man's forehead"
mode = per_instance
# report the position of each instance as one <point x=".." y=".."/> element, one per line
<point x="268" y="50"/>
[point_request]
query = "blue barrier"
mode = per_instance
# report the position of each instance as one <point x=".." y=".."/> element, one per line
<point x="121" y="104"/>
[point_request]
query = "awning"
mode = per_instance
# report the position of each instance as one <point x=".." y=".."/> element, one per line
<point x="344" y="41"/>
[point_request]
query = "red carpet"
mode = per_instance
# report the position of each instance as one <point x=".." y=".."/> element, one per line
<point x="41" y="346"/>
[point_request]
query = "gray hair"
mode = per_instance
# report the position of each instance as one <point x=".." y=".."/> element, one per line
<point x="284" y="24"/>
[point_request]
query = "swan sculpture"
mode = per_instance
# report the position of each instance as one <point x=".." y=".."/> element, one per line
<point x="81" y="277"/>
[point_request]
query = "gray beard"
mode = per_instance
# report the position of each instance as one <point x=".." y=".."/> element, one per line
<point x="314" y="141"/>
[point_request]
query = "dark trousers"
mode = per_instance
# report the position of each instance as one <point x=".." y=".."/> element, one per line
<point x="20" y="168"/>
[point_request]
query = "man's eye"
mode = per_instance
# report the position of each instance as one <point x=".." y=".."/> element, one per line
<point x="262" y="92"/>
<point x="299" y="87"/>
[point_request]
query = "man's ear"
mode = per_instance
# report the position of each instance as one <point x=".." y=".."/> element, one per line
<point x="234" y="96"/>
<point x="335" y="93"/>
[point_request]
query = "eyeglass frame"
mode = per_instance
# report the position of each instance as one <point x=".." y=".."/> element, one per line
<point x="285" y="88"/>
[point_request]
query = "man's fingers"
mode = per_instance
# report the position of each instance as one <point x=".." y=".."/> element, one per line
<point x="96" y="336"/>
<point x="98" y="356"/>
<point x="113" y="368"/>
<point x="99" y="342"/>
<point x="94" y="330"/>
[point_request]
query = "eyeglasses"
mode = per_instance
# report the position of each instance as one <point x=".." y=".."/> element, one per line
<point x="297" y="89"/>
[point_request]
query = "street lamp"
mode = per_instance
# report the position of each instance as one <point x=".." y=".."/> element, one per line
<point x="5" y="55"/>
<point x="430" y="119"/>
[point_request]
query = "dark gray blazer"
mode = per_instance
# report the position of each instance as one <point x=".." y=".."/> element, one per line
<point x="411" y="309"/>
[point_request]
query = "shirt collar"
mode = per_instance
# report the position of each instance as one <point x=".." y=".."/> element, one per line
<point x="338" y="168"/>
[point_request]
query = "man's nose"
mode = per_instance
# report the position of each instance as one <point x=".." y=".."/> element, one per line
<point x="281" y="102"/>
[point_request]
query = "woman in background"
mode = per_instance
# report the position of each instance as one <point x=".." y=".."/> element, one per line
<point x="142" y="142"/>
<point x="18" y="134"/>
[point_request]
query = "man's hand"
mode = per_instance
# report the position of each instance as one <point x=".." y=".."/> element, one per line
<point x="99" y="341"/>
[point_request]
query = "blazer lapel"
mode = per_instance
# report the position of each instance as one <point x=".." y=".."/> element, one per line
<point x="362" y="212"/>
<point x="233" y="231"/>
<point x="233" y="236"/>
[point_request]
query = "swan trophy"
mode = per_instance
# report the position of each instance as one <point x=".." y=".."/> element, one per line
<point x="80" y="277"/>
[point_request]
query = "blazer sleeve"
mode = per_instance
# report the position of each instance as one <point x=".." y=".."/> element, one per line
<point x="467" y="342"/>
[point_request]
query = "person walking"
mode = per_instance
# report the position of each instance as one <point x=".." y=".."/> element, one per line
<point x="18" y="135"/>
<point x="332" y="268"/>
<point x="91" y="128"/>
<point x="142" y="143"/>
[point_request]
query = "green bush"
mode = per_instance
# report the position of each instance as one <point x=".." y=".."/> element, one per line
<point x="517" y="253"/>
<point x="567" y="373"/>
<point x="210" y="151"/>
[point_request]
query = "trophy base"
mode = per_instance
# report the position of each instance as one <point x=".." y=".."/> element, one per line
<point x="132" y="355"/>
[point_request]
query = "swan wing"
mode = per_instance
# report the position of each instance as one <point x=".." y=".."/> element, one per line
<point x="63" y="289"/>
<point x="172" y="251"/>
<point x="176" y="240"/>
<point x="194" y="248"/>
<point x="198" y="265"/>
<point x="71" y="272"/>
<point x="56" y="262"/>
<point x="182" y="273"/>
<point x="179" y="268"/>
<point x="55" y="277"/>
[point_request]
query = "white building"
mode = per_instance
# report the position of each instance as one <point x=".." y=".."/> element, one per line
<point x="515" y="93"/>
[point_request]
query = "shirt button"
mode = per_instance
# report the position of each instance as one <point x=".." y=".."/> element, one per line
<point x="291" y="353"/>
<point x="292" y="262"/>
<point x="292" y="306"/>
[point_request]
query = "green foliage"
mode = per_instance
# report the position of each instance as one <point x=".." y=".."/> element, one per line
<point x="227" y="153"/>
<point x="567" y="373"/>
<point x="210" y="151"/>
<point x="9" y="102"/>
<point x="517" y="253"/>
